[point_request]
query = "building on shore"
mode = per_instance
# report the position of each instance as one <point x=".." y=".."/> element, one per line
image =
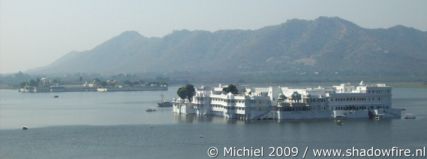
<point x="43" y="85"/>
<point x="341" y="101"/>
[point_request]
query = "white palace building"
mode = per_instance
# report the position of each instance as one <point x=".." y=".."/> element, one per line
<point x="342" y="101"/>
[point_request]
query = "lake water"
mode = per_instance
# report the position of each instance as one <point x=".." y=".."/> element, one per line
<point x="115" y="125"/>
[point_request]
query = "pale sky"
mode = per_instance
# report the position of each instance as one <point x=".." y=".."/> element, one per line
<point x="35" y="33"/>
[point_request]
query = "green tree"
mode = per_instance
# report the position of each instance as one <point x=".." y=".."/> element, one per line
<point x="182" y="93"/>
<point x="230" y="88"/>
<point x="97" y="81"/>
<point x="129" y="83"/>
<point x="56" y="81"/>
<point x="23" y="84"/>
<point x="104" y="83"/>
<point x="296" y="96"/>
<point x="33" y="83"/>
<point x="186" y="91"/>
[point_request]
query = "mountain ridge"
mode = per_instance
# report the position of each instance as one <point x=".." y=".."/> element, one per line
<point x="326" y="44"/>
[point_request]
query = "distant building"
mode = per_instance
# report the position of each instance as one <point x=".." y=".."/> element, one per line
<point x="342" y="101"/>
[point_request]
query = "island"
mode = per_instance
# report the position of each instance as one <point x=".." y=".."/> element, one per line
<point x="41" y="85"/>
<point x="371" y="101"/>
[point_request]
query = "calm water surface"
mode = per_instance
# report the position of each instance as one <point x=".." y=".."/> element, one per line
<point x="115" y="125"/>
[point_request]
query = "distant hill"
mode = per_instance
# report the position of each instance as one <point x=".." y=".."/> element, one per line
<point x="325" y="45"/>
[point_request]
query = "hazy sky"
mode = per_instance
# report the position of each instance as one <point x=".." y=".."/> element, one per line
<point x="35" y="33"/>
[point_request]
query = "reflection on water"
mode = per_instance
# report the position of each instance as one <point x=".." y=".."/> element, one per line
<point x="126" y="108"/>
<point x="122" y="129"/>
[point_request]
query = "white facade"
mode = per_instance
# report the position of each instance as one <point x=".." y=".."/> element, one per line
<point x="342" y="101"/>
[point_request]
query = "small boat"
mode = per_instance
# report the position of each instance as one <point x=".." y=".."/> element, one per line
<point x="409" y="116"/>
<point x="339" y="122"/>
<point x="150" y="110"/>
<point x="24" y="128"/>
<point x="164" y="103"/>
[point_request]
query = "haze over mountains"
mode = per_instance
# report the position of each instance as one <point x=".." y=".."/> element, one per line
<point x="326" y="45"/>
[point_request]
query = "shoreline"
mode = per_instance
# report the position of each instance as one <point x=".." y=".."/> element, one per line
<point x="422" y="85"/>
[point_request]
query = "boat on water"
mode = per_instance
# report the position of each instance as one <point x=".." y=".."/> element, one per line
<point x="150" y="110"/>
<point x="409" y="116"/>
<point x="164" y="103"/>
